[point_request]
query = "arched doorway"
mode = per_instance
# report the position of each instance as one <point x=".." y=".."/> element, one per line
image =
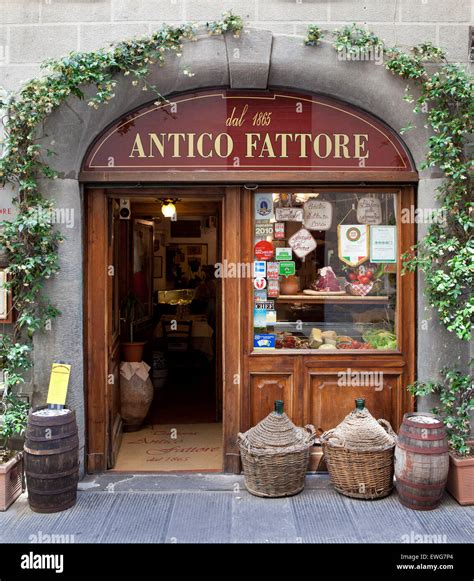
<point x="234" y="148"/>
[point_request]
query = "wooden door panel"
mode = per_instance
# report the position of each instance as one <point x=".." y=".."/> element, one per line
<point x="331" y="400"/>
<point x="265" y="388"/>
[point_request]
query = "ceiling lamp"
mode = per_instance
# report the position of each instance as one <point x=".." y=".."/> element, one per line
<point x="168" y="207"/>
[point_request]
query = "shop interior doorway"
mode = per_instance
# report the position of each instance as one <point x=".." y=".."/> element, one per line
<point x="165" y="414"/>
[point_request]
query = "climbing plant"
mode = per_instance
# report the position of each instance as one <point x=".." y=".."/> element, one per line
<point x="31" y="240"/>
<point x="445" y="254"/>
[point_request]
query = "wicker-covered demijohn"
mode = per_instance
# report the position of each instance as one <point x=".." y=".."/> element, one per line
<point x="359" y="455"/>
<point x="275" y="455"/>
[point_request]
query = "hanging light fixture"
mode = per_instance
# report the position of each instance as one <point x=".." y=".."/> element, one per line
<point x="168" y="207"/>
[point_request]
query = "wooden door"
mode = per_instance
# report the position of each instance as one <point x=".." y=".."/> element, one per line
<point x="114" y="421"/>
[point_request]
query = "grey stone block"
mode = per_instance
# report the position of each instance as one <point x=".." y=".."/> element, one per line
<point x="275" y="523"/>
<point x="24" y="12"/>
<point x="249" y="59"/>
<point x="32" y="44"/>
<point x="12" y="77"/>
<point x="203" y="517"/>
<point x="95" y="36"/>
<point x="409" y="35"/>
<point x="4" y="48"/>
<point x="293" y="10"/>
<point x="139" y="518"/>
<point x="148" y="10"/>
<point x="455" y="39"/>
<point x="435" y="11"/>
<point x="76" y="11"/>
<point x="321" y="517"/>
<point x="363" y="10"/>
<point x="208" y="10"/>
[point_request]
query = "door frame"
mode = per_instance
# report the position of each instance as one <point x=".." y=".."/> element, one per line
<point x="96" y="318"/>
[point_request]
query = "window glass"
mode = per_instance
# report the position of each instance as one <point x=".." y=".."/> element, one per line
<point x="325" y="271"/>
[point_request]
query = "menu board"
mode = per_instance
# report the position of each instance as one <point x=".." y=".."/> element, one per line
<point x="317" y="215"/>
<point x="289" y="214"/>
<point x="302" y="243"/>
<point x="369" y="210"/>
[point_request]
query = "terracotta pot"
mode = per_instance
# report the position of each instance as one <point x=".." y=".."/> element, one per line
<point x="132" y="352"/>
<point x="290" y="285"/>
<point x="136" y="396"/>
<point x="461" y="479"/>
<point x="10" y="481"/>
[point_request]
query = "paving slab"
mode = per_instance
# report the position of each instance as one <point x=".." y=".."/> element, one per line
<point x="200" y="517"/>
<point x="275" y="521"/>
<point x="322" y="517"/>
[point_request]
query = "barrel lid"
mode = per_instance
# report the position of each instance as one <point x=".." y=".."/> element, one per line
<point x="359" y="430"/>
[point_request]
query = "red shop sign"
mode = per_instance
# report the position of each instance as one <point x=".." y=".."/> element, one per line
<point x="215" y="130"/>
<point x="264" y="250"/>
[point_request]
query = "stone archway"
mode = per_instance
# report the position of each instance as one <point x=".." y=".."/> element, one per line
<point x="257" y="60"/>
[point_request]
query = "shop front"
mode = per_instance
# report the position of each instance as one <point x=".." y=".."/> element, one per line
<point x="311" y="198"/>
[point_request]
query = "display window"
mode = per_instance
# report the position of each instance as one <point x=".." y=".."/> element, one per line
<point x="325" y="271"/>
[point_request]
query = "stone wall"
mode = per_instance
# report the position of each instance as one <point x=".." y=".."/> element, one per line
<point x="33" y="30"/>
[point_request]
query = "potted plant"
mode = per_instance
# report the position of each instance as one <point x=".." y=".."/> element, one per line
<point x="456" y="403"/>
<point x="13" y="419"/>
<point x="131" y="310"/>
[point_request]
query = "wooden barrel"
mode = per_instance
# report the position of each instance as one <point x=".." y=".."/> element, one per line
<point x="421" y="461"/>
<point x="51" y="461"/>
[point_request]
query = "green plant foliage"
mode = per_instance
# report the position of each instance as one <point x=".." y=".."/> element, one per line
<point x="456" y="396"/>
<point x="352" y="39"/>
<point x="314" y="35"/>
<point x="14" y="418"/>
<point x="229" y="23"/>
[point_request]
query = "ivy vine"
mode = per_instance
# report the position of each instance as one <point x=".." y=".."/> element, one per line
<point x="30" y="240"/>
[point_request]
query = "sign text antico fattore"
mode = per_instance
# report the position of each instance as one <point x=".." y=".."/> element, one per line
<point x="257" y="144"/>
<point x="232" y="130"/>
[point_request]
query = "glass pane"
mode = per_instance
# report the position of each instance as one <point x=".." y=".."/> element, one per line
<point x="325" y="271"/>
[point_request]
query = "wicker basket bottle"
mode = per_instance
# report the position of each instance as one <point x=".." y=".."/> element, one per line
<point x="359" y="455"/>
<point x="275" y="455"/>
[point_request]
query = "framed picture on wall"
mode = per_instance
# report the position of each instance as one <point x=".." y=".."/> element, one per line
<point x="6" y="310"/>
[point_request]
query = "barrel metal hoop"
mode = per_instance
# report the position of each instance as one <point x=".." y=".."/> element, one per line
<point x="423" y="451"/>
<point x="70" y="488"/>
<point x="423" y="426"/>
<point x="419" y="485"/>
<point x="411" y="435"/>
<point x="431" y="499"/>
<point x="52" y="476"/>
<point x="52" y="452"/>
<point x="56" y="437"/>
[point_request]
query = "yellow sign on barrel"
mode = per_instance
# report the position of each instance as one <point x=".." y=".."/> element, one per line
<point x="58" y="384"/>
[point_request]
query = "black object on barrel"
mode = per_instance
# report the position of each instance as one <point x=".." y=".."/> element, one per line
<point x="51" y="461"/>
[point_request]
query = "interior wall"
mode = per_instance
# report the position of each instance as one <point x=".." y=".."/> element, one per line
<point x="208" y="236"/>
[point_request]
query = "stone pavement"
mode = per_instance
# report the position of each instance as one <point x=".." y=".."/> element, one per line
<point x="199" y="508"/>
